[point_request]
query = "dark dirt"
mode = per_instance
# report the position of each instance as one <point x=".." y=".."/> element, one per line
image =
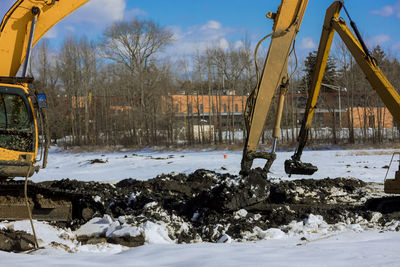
<point x="211" y="203"/>
<point x="206" y="199"/>
<point x="16" y="241"/>
<point x="127" y="241"/>
<point x="94" y="161"/>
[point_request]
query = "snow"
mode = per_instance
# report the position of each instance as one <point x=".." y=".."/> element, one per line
<point x="311" y="242"/>
<point x="240" y="213"/>
<point x="143" y="165"/>
<point x="95" y="227"/>
<point x="370" y="248"/>
<point x="156" y="234"/>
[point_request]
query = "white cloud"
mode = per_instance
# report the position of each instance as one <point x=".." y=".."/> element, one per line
<point x="99" y="12"/>
<point x="70" y="28"/>
<point x="388" y="10"/>
<point x="223" y="43"/>
<point x="385" y="11"/>
<point x="136" y="12"/>
<point x="307" y="43"/>
<point x="90" y="18"/>
<point x="51" y="34"/>
<point x="238" y="44"/>
<point x="378" y="40"/>
<point x="199" y="37"/>
<point x="212" y="24"/>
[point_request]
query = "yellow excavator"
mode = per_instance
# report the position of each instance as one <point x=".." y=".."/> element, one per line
<point x="23" y="127"/>
<point x="286" y="24"/>
<point x="21" y="107"/>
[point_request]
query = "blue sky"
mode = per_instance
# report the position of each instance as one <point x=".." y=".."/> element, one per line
<point x="202" y="23"/>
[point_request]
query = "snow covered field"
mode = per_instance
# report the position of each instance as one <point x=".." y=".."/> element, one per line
<point x="312" y="242"/>
<point x="362" y="164"/>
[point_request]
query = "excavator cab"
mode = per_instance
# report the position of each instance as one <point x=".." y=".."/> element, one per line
<point x="21" y="115"/>
<point x="23" y="128"/>
<point x="19" y="135"/>
<point x="16" y="122"/>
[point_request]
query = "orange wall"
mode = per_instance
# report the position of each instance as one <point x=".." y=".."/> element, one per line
<point x="180" y="103"/>
<point x="372" y="115"/>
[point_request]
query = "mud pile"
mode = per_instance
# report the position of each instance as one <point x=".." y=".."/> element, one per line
<point x="210" y="207"/>
<point x="208" y="204"/>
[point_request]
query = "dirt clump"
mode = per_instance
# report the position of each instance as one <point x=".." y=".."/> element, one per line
<point x="128" y="241"/>
<point x="16" y="241"/>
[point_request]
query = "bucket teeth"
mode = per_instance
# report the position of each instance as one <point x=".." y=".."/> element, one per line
<point x="298" y="167"/>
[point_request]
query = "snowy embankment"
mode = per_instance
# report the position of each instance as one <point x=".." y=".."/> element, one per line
<point x="367" y="165"/>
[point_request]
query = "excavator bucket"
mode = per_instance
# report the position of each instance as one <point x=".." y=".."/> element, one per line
<point x="298" y="167"/>
<point x="392" y="186"/>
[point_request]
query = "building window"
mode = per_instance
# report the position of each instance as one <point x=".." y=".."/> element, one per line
<point x="177" y="108"/>
<point x="225" y="108"/>
<point x="213" y="108"/>
<point x="236" y="108"/>
<point x="201" y="108"/>
<point x="190" y="109"/>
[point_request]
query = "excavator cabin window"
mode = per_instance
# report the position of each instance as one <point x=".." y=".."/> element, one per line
<point x="16" y="131"/>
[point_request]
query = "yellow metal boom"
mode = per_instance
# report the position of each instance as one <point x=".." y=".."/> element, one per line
<point x="17" y="23"/>
<point x="374" y="75"/>
<point x="286" y="26"/>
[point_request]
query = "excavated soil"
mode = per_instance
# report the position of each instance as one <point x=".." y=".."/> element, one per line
<point x="211" y="205"/>
<point x="206" y="199"/>
<point x="16" y="241"/>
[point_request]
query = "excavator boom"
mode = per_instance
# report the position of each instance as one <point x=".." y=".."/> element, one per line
<point x="374" y="75"/>
<point x="287" y="22"/>
<point x="16" y="26"/>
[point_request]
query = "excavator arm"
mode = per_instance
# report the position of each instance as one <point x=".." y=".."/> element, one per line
<point x="374" y="75"/>
<point x="24" y="18"/>
<point x="286" y="26"/>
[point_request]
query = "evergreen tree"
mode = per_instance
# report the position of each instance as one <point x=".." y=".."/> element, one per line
<point x="379" y="55"/>
<point x="330" y="75"/>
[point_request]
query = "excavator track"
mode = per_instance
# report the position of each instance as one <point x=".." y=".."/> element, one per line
<point x="48" y="204"/>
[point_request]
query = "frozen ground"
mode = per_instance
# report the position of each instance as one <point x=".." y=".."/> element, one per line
<point x="306" y="244"/>
<point x="347" y="249"/>
<point x="309" y="243"/>
<point x="362" y="164"/>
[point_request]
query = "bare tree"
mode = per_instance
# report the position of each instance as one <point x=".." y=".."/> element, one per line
<point x="77" y="71"/>
<point x="47" y="81"/>
<point x="134" y="45"/>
